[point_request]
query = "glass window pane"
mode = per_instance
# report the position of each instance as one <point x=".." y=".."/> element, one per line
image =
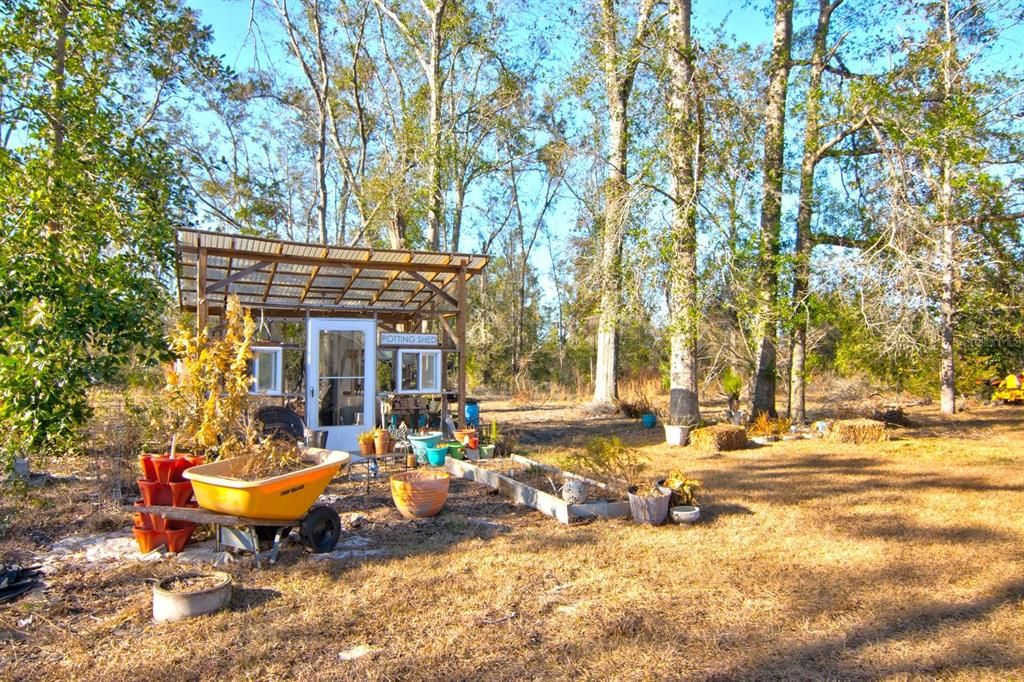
<point x="410" y="371"/>
<point x="340" y="402"/>
<point x="342" y="353"/>
<point x="266" y="371"/>
<point x="428" y="372"/>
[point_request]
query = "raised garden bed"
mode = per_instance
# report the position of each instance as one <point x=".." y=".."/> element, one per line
<point x="522" y="480"/>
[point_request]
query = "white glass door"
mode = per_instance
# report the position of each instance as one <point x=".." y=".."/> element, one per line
<point x="342" y="385"/>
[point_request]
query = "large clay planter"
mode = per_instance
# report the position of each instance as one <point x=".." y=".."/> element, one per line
<point x="155" y="494"/>
<point x="194" y="460"/>
<point x="181" y="493"/>
<point x="420" y="493"/>
<point x="381" y="442"/>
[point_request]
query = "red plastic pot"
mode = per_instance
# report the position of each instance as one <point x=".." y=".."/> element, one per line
<point x="195" y="460"/>
<point x="159" y="522"/>
<point x="146" y="465"/>
<point x="155" y="494"/>
<point x="178" y="466"/>
<point x="148" y="539"/>
<point x="178" y="537"/>
<point x="141" y="519"/>
<point x="181" y="493"/>
<point x="162" y="466"/>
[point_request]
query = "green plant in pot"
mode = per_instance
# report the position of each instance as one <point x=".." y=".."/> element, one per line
<point x="732" y="384"/>
<point x="366" y="443"/>
<point x="685" y="494"/>
<point x="489" y="441"/>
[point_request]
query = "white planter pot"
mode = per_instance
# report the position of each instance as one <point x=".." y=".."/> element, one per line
<point x="169" y="606"/>
<point x="677" y="435"/>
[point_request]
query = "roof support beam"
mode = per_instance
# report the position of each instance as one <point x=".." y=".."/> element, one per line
<point x="234" y="277"/>
<point x="436" y="289"/>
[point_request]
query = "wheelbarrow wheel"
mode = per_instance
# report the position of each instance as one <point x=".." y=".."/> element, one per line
<point x="320" y="529"/>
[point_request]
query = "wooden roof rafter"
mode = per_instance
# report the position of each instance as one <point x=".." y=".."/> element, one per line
<point x="320" y="279"/>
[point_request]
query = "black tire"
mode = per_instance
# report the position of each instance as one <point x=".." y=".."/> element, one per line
<point x="320" y="529"/>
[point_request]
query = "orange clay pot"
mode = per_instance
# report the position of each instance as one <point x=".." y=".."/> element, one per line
<point x="181" y="493"/>
<point x="419" y="493"/>
<point x="148" y="539"/>
<point x="366" y="448"/>
<point x="178" y="535"/>
<point x="381" y="442"/>
<point x="464" y="435"/>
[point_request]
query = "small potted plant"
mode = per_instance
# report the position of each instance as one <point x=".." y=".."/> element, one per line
<point x="649" y="503"/>
<point x="685" y="492"/>
<point x="490" y="441"/>
<point x="675" y="434"/>
<point x="366" y="443"/>
<point x="732" y="384"/>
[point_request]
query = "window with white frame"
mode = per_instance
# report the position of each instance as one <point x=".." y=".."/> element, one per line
<point x="419" y="371"/>
<point x="267" y="370"/>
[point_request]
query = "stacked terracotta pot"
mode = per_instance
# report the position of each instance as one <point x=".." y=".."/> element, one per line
<point x="162" y="485"/>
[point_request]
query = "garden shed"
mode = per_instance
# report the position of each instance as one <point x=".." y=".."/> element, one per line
<point x="361" y="325"/>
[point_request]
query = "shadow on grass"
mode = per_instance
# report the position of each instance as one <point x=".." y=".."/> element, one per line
<point x="822" y="477"/>
<point x="832" y="658"/>
<point x="245" y="598"/>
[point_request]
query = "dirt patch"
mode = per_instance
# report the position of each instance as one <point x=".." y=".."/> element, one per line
<point x="192" y="583"/>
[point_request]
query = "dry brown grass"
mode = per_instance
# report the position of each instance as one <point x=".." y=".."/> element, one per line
<point x="814" y="560"/>
<point x="857" y="431"/>
<point x="718" y="437"/>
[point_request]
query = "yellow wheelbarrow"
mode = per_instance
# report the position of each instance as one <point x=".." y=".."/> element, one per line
<point x="267" y="508"/>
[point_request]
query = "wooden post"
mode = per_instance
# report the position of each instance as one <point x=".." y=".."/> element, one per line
<point x="460" y="333"/>
<point x="201" y="305"/>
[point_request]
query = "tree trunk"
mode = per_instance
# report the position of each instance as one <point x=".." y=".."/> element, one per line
<point x="434" y="162"/>
<point x="60" y="53"/>
<point x="605" y="370"/>
<point x="684" y="152"/>
<point x="947" y="302"/>
<point x="763" y="395"/>
<point x="805" y="213"/>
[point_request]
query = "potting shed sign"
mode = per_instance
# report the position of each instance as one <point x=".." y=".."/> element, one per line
<point x="396" y="339"/>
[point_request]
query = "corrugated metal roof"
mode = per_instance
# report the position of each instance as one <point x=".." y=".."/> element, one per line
<point x="296" y="278"/>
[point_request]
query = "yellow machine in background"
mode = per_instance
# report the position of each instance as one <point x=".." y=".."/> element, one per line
<point x="1010" y="389"/>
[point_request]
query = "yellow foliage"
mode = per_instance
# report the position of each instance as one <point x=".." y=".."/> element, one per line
<point x="207" y="389"/>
